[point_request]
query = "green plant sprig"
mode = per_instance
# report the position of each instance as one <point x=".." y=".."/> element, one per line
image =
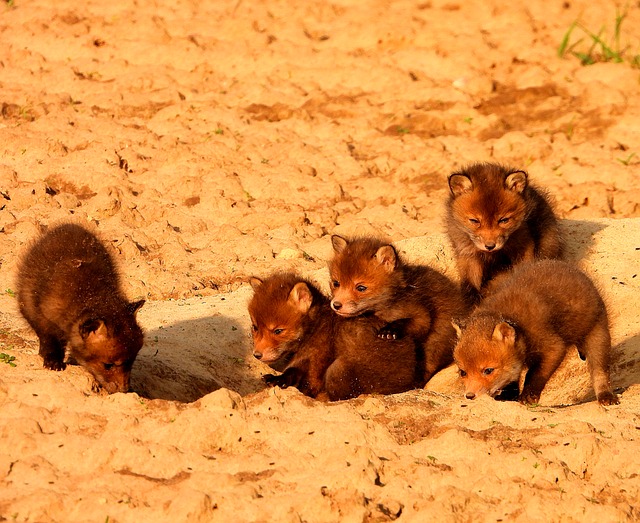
<point x="599" y="50"/>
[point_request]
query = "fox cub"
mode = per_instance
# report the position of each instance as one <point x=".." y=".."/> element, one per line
<point x="531" y="320"/>
<point x="69" y="292"/>
<point x="495" y="220"/>
<point x="324" y="356"/>
<point x="369" y="278"/>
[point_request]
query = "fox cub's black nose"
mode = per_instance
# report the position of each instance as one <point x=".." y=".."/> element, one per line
<point x="336" y="305"/>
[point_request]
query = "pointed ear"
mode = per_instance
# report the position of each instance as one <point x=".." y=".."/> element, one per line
<point x="516" y="181"/>
<point x="504" y="332"/>
<point x="460" y="184"/>
<point x="93" y="328"/>
<point x="339" y="243"/>
<point x="133" y="307"/>
<point x="387" y="257"/>
<point x="300" y="297"/>
<point x="255" y="282"/>
<point x="457" y="328"/>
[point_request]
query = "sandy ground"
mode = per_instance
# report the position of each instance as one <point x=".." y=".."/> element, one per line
<point x="209" y="141"/>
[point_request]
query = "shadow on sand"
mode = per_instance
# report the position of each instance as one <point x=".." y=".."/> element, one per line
<point x="625" y="372"/>
<point x="189" y="359"/>
<point x="578" y="235"/>
<point x="625" y="369"/>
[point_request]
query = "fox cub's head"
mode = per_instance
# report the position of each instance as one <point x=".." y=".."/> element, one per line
<point x="487" y="200"/>
<point x="360" y="273"/>
<point x="110" y="347"/>
<point x="487" y="356"/>
<point x="278" y="308"/>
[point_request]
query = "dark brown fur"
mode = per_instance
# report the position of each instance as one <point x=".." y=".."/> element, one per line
<point x="495" y="220"/>
<point x="69" y="292"/>
<point x="368" y="277"/>
<point x="326" y="357"/>
<point x="531" y="319"/>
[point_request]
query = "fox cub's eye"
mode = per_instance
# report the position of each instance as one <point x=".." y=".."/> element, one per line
<point x="361" y="288"/>
<point x="487" y="371"/>
<point x="475" y="221"/>
<point x="108" y="366"/>
<point x="504" y="220"/>
<point x="254" y="328"/>
<point x="463" y="373"/>
<point x="278" y="331"/>
<point x="335" y="284"/>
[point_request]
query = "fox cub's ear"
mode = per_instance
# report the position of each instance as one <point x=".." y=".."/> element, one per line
<point x="516" y="181"/>
<point x="339" y="243"/>
<point x="93" y="327"/>
<point x="457" y="328"/>
<point x="459" y="184"/>
<point x="300" y="297"/>
<point x="134" y="306"/>
<point x="255" y="282"/>
<point x="504" y="332"/>
<point x="387" y="257"/>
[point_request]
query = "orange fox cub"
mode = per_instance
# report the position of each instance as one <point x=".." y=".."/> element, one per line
<point x="368" y="277"/>
<point x="495" y="219"/>
<point x="323" y="356"/>
<point x="69" y="292"/>
<point x="531" y="320"/>
<point x="291" y="332"/>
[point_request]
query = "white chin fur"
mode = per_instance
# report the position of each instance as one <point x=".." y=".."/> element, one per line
<point x="344" y="313"/>
<point x="272" y="357"/>
<point x="482" y="247"/>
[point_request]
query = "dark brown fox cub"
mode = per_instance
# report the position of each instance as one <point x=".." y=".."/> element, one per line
<point x="325" y="357"/>
<point x="69" y="292"/>
<point x="495" y="219"/>
<point x="368" y="277"/>
<point x="531" y="319"/>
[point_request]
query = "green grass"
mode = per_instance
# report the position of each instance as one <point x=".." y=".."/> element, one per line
<point x="6" y="358"/>
<point x="592" y="47"/>
<point x="628" y="160"/>
<point x="570" y="128"/>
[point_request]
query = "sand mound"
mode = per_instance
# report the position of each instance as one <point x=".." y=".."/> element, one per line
<point x="241" y="452"/>
<point x="208" y="141"/>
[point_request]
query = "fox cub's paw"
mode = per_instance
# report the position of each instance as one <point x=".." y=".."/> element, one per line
<point x="275" y="381"/>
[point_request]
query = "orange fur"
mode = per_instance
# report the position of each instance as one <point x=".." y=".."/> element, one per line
<point x="278" y="315"/>
<point x="69" y="292"/>
<point x="368" y="277"/>
<point x="324" y="356"/>
<point x="530" y="320"/>
<point x="495" y="220"/>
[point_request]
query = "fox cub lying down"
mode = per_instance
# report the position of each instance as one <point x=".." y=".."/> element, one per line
<point x="325" y="356"/>
<point x="368" y="277"/>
